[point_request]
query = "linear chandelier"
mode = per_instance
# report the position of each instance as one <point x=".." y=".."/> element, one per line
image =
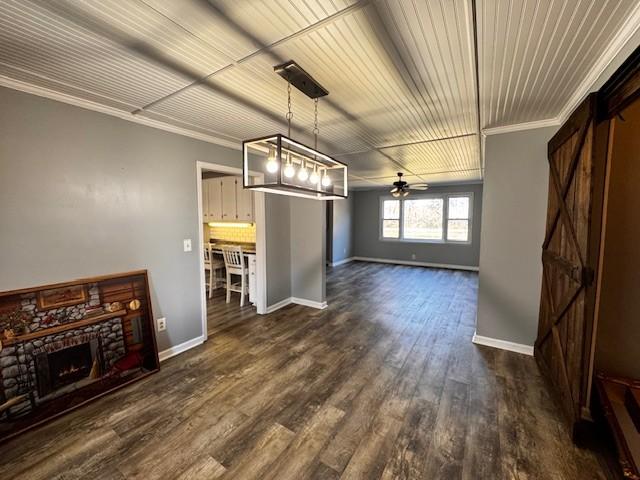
<point x="288" y="167"/>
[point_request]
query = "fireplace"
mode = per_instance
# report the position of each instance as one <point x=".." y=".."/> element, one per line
<point x="58" y="368"/>
<point x="69" y="365"/>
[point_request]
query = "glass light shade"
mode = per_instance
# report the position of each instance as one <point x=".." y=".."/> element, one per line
<point x="277" y="164"/>
<point x="396" y="193"/>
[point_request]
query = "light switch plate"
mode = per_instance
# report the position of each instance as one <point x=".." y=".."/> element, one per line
<point x="187" y="244"/>
<point x="162" y="324"/>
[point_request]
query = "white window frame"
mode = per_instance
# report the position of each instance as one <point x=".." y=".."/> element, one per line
<point x="382" y="219"/>
<point x="445" y="217"/>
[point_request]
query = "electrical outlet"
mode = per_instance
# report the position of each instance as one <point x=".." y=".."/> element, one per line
<point x="413" y="256"/>
<point x="162" y="324"/>
<point x="187" y="244"/>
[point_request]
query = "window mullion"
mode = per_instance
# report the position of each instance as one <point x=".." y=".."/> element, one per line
<point x="445" y="220"/>
<point x="401" y="219"/>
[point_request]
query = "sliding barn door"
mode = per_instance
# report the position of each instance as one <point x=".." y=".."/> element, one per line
<point x="563" y="345"/>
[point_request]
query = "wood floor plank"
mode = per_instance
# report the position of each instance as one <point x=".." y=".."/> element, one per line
<point x="204" y="467"/>
<point x="259" y="459"/>
<point x="360" y="419"/>
<point x="447" y="449"/>
<point x="384" y="383"/>
<point x="370" y="458"/>
<point x="296" y="461"/>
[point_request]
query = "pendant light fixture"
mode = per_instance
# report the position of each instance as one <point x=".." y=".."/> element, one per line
<point x="288" y="167"/>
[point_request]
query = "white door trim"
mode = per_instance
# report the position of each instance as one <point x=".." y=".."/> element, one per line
<point x="261" y="248"/>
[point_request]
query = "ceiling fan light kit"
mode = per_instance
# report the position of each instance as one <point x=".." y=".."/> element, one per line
<point x="289" y="167"/>
<point x="401" y="188"/>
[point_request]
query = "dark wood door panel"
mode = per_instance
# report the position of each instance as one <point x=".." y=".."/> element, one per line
<point x="560" y="346"/>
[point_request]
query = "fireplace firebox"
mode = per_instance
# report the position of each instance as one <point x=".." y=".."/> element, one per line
<point x="62" y="367"/>
<point x="70" y="364"/>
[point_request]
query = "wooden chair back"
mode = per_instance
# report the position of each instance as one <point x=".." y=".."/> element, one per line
<point x="207" y="255"/>
<point x="233" y="259"/>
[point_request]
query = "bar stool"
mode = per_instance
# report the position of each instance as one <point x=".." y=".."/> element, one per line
<point x="234" y="264"/>
<point x="212" y="265"/>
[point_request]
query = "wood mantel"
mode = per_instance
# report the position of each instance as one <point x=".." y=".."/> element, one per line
<point x="63" y="328"/>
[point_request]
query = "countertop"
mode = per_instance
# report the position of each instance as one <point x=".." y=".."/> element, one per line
<point x="246" y="247"/>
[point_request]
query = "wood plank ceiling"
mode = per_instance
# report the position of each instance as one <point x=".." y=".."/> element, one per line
<point x="401" y="73"/>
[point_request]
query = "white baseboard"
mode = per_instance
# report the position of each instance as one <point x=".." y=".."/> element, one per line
<point x="416" y="264"/>
<point x="183" y="347"/>
<point x="342" y="262"/>
<point x="279" y="305"/>
<point x="309" y="303"/>
<point x="503" y="344"/>
<point x="298" y="301"/>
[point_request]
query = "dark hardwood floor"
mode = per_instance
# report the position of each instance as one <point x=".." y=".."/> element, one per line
<point x="385" y="383"/>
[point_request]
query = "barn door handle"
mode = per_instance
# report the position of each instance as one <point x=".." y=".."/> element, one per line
<point x="588" y="275"/>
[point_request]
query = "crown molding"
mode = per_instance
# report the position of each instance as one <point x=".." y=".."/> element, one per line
<point x="517" y="127"/>
<point x="624" y="35"/>
<point x="618" y="42"/>
<point x="124" y="115"/>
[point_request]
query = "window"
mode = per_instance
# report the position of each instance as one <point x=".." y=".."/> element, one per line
<point x="458" y="219"/>
<point x="427" y="218"/>
<point x="423" y="218"/>
<point x="391" y="218"/>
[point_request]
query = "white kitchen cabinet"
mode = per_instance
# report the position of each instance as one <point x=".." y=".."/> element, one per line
<point x="214" y="187"/>
<point x="224" y="200"/>
<point x="244" y="203"/>
<point x="252" y="279"/>
<point x="229" y="197"/>
<point x="205" y="201"/>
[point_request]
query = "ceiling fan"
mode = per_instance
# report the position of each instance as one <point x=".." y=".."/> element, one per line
<point x="401" y="188"/>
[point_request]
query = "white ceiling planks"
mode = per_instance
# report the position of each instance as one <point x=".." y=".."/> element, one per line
<point x="434" y="178"/>
<point x="401" y="73"/>
<point x="535" y="53"/>
<point x="452" y="154"/>
<point x="368" y="164"/>
<point x="433" y="42"/>
<point x="36" y="40"/>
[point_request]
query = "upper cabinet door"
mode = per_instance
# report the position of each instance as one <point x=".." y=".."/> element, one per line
<point x="205" y="201"/>
<point x="245" y="203"/>
<point x="229" y="200"/>
<point x="215" y="199"/>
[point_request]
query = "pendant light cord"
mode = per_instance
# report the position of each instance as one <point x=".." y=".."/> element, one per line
<point x="316" y="130"/>
<point x="289" y="112"/>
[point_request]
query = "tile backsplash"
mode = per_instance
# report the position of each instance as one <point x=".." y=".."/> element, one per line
<point x="233" y="234"/>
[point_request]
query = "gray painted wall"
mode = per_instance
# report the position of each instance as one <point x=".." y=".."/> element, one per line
<point x="513" y="227"/>
<point x="308" y="219"/>
<point x="279" y="248"/>
<point x="366" y="242"/>
<point x="342" y="231"/>
<point x="83" y="193"/>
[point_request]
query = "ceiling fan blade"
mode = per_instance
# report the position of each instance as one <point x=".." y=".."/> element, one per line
<point x="418" y="187"/>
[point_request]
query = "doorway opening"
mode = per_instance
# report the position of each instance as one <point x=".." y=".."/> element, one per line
<point x="231" y="246"/>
